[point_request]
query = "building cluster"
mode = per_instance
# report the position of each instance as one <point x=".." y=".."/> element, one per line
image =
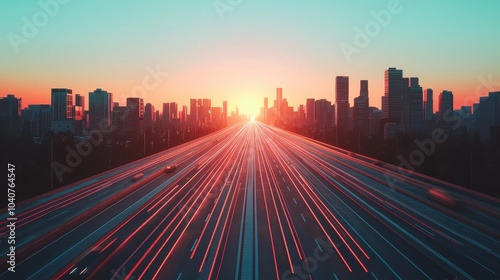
<point x="68" y="113"/>
<point x="406" y="109"/>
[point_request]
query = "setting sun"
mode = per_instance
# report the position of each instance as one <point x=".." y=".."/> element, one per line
<point x="248" y="104"/>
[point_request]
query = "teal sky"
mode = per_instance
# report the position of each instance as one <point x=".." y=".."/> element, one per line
<point x="255" y="47"/>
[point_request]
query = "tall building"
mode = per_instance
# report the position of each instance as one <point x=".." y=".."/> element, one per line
<point x="100" y="108"/>
<point x="170" y="113"/>
<point x="216" y="113"/>
<point x="80" y="101"/>
<point x="62" y="110"/>
<point x="310" y="115"/>
<point x="149" y="110"/>
<point x="411" y="106"/>
<point x="393" y="93"/>
<point x="488" y="116"/>
<point x="39" y="119"/>
<point x="278" y="101"/>
<point x="118" y="118"/>
<point x="193" y="111"/>
<point x="205" y="107"/>
<point x="224" y="112"/>
<point x="428" y="104"/>
<point x="134" y="122"/>
<point x="363" y="88"/>
<point x="185" y="114"/>
<point x="323" y="110"/>
<point x="61" y="104"/>
<point x="341" y="107"/>
<point x="360" y="114"/>
<point x="445" y="104"/>
<point x="10" y="116"/>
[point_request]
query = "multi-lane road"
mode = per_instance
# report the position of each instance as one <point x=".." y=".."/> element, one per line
<point x="256" y="202"/>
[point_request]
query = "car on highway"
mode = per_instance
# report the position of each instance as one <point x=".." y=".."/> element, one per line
<point x="445" y="198"/>
<point x="170" y="168"/>
<point x="137" y="176"/>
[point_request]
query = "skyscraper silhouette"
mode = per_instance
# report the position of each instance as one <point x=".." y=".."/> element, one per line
<point x="100" y="108"/>
<point x="341" y="108"/>
<point x="445" y="104"/>
<point x="393" y="94"/>
<point x="428" y="104"/>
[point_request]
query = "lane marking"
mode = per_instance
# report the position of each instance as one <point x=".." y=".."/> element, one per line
<point x="430" y="233"/>
<point x="303" y="218"/>
<point x="318" y="245"/>
<point x="294" y="200"/>
<point x="194" y="244"/>
<point x="179" y="276"/>
<point x="53" y="217"/>
<point x="481" y="265"/>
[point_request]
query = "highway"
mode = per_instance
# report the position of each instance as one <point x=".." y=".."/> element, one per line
<point x="256" y="202"/>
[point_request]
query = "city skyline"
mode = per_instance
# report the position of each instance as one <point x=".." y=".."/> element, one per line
<point x="238" y="139"/>
<point x="233" y="57"/>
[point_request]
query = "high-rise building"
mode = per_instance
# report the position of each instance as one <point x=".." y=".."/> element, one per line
<point x="310" y="115"/>
<point x="135" y="115"/>
<point x="118" y="118"/>
<point x="411" y="106"/>
<point x="277" y="102"/>
<point x="10" y="116"/>
<point x="224" y="112"/>
<point x="61" y="104"/>
<point x="149" y="110"/>
<point x="393" y="93"/>
<point x="360" y="113"/>
<point x="216" y="113"/>
<point x="301" y="114"/>
<point x="80" y="101"/>
<point x="62" y="110"/>
<point x="341" y="107"/>
<point x="100" y="108"/>
<point x="488" y="115"/>
<point x="204" y="110"/>
<point x="428" y="104"/>
<point x="323" y="110"/>
<point x="445" y="104"/>
<point x="39" y="119"/>
<point x="363" y="88"/>
<point x="193" y="111"/>
<point x="185" y="113"/>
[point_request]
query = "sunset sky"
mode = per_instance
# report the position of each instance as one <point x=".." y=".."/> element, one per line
<point x="242" y="54"/>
